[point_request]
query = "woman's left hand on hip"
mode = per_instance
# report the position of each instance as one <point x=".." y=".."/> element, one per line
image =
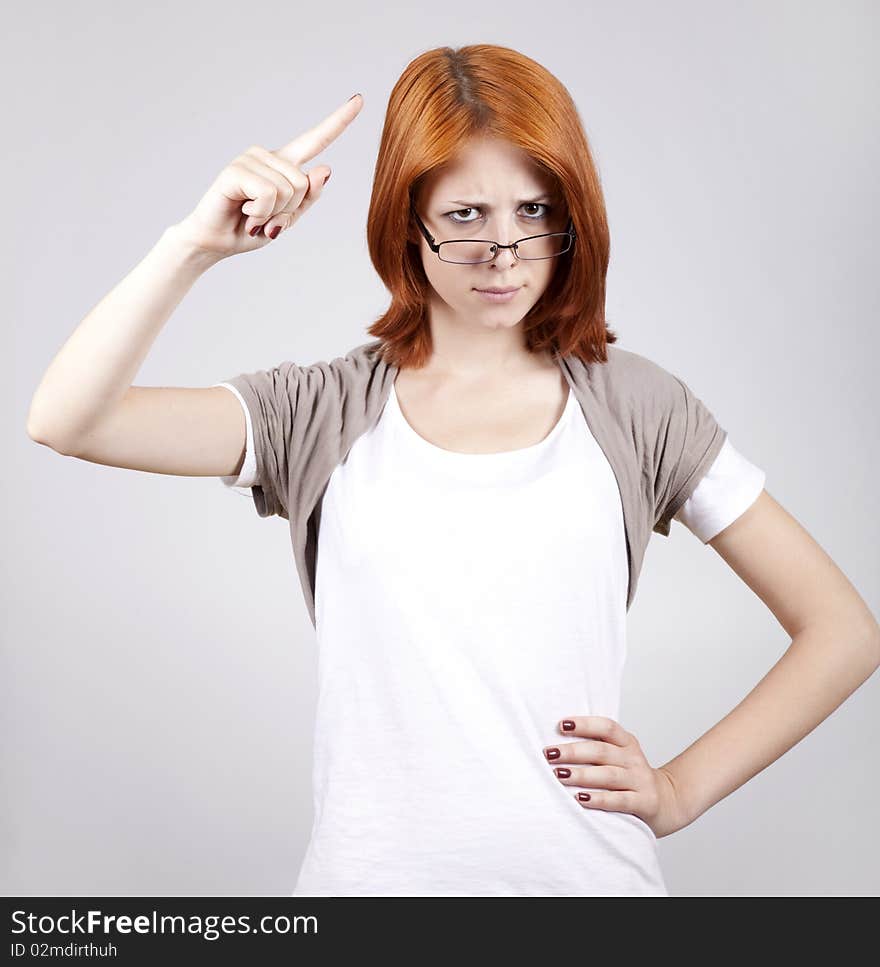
<point x="606" y="764"/>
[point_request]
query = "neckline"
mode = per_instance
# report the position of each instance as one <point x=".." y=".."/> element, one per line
<point x="501" y="457"/>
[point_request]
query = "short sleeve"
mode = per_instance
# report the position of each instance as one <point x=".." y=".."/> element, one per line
<point x="730" y="487"/>
<point x="247" y="477"/>
<point x="273" y="400"/>
<point x="689" y="438"/>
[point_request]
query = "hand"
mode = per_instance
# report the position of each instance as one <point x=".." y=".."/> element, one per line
<point x="263" y="192"/>
<point x="609" y="764"/>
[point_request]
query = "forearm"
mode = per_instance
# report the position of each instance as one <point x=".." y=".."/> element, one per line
<point x="822" y="666"/>
<point x="94" y="369"/>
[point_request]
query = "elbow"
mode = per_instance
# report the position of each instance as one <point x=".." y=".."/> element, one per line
<point x="38" y="435"/>
<point x="33" y="428"/>
<point x="34" y="432"/>
<point x="39" y="426"/>
<point x="876" y="641"/>
<point x="872" y="635"/>
<point x="871" y="640"/>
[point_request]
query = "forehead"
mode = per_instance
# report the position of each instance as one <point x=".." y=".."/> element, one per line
<point x="487" y="165"/>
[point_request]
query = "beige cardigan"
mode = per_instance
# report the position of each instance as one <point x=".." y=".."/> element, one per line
<point x="659" y="438"/>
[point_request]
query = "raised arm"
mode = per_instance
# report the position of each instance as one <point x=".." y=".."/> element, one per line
<point x="86" y="405"/>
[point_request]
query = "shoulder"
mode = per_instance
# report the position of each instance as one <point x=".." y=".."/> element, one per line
<point x="342" y="394"/>
<point x="628" y="380"/>
<point x="342" y="375"/>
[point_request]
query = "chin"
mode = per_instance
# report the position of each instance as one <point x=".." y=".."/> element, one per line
<point x="498" y="321"/>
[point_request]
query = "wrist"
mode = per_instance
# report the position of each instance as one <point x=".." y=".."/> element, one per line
<point x="677" y="812"/>
<point x="176" y="239"/>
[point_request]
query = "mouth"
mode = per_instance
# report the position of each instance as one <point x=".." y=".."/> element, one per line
<point x="499" y="295"/>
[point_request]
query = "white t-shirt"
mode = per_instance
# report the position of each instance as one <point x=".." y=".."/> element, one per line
<point x="442" y="676"/>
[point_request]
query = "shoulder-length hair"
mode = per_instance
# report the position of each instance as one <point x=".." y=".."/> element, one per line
<point x="444" y="97"/>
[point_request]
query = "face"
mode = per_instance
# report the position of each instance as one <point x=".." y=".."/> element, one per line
<point x="493" y="191"/>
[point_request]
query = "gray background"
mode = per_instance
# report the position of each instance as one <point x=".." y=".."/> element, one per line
<point x="158" y="661"/>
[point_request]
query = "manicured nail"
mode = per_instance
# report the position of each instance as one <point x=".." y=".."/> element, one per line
<point x="551" y="753"/>
<point x="275" y="231"/>
<point x="584" y="796"/>
<point x="327" y="178"/>
<point x="353" y="96"/>
<point x="255" y="229"/>
<point x="562" y="772"/>
<point x="567" y="725"/>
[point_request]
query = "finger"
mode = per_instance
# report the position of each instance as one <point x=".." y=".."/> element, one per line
<point x="293" y="183"/>
<point x="239" y="182"/>
<point x="612" y="802"/>
<point x="308" y="144"/>
<point x="595" y="727"/>
<point x="595" y="777"/>
<point x="592" y="751"/>
<point x="285" y="169"/>
<point x="317" y="177"/>
<point x="282" y="190"/>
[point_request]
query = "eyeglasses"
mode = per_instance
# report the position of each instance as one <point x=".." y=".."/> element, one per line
<point x="472" y="251"/>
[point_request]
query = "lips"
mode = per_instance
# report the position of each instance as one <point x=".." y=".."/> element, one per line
<point x="511" y="288"/>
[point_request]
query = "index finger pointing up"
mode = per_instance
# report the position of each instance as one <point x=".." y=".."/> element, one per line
<point x="307" y="145"/>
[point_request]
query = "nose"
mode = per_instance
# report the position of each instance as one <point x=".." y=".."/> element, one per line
<point x="504" y="257"/>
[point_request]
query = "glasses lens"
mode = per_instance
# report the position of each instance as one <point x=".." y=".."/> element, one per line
<point x="470" y="252"/>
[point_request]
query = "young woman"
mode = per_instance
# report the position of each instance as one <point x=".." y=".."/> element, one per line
<point x="469" y="499"/>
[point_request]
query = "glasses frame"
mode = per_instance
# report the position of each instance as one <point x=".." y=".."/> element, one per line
<point x="435" y="246"/>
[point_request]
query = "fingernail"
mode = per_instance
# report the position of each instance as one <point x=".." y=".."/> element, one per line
<point x="551" y="753"/>
<point x="328" y="176"/>
<point x="567" y="725"/>
<point x="255" y="229"/>
<point x="275" y="231"/>
<point x="353" y="96"/>
<point x="562" y="772"/>
<point x="584" y="796"/>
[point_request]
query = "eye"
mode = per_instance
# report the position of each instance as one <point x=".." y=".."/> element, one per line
<point x="538" y="204"/>
<point x="528" y="204"/>
<point x="460" y="221"/>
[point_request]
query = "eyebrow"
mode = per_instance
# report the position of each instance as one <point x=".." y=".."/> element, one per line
<point x="481" y="204"/>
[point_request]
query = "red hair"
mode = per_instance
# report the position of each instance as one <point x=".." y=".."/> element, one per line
<point x="443" y="98"/>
